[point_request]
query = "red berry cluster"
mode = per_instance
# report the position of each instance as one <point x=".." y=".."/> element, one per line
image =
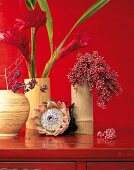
<point x="98" y="75"/>
<point x="108" y="134"/>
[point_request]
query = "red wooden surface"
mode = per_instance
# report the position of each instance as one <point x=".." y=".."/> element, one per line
<point x="81" y="165"/>
<point x="111" y="166"/>
<point x="30" y="146"/>
<point x="38" y="166"/>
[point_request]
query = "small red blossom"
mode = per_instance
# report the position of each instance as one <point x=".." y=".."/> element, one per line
<point x="35" y="18"/>
<point x="94" y="70"/>
<point x="16" y="39"/>
<point x="80" y="41"/>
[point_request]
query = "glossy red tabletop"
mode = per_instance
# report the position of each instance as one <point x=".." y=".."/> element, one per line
<point x="30" y="145"/>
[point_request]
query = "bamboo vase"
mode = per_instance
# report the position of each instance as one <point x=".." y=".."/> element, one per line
<point x="35" y="97"/>
<point x="83" y="110"/>
<point x="14" y="110"/>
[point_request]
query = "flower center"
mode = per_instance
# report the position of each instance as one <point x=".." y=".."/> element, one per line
<point x="52" y="119"/>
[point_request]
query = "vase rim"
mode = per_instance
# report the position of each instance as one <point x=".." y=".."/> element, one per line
<point x="37" y="78"/>
<point x="5" y="90"/>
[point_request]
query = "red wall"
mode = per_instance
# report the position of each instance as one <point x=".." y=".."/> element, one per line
<point x="111" y="34"/>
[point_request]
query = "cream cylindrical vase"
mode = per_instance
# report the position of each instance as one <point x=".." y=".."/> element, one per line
<point x="83" y="109"/>
<point x="14" y="110"/>
<point x="35" y="97"/>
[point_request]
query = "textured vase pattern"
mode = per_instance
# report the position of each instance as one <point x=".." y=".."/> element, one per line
<point x="35" y="97"/>
<point x="14" y="110"/>
<point x="83" y="110"/>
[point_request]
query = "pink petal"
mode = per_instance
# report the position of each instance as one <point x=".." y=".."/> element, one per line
<point x="51" y="104"/>
<point x="41" y="108"/>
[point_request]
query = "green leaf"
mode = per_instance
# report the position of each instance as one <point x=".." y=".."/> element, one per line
<point x="44" y="7"/>
<point x="94" y="8"/>
<point x="30" y="4"/>
<point x="90" y="11"/>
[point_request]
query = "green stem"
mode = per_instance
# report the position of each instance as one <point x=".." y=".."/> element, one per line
<point x="49" y="66"/>
<point x="29" y="68"/>
<point x="33" y="73"/>
<point x="49" y="24"/>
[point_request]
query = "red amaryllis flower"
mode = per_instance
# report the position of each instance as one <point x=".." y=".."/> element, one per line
<point x="35" y="18"/>
<point x="80" y="41"/>
<point x="17" y="39"/>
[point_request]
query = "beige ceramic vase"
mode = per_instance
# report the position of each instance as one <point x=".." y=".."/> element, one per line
<point x="35" y="97"/>
<point x="83" y="110"/>
<point x="14" y="110"/>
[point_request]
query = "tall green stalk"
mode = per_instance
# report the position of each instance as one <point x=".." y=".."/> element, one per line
<point x="33" y="51"/>
<point x="89" y="12"/>
<point x="49" y="24"/>
<point x="54" y="54"/>
<point x="49" y="66"/>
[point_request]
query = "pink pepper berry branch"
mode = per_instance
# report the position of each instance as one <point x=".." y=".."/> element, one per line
<point x="93" y="70"/>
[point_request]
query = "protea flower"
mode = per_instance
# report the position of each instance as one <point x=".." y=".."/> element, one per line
<point x="34" y="18"/>
<point x="51" y="118"/>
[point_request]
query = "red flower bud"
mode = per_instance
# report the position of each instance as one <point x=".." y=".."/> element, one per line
<point x="80" y="41"/>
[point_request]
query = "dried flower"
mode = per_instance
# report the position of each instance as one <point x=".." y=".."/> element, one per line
<point x="12" y="73"/>
<point x="94" y="70"/>
<point x="17" y="86"/>
<point x="44" y="88"/>
<point x="31" y="84"/>
<point x="17" y="74"/>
